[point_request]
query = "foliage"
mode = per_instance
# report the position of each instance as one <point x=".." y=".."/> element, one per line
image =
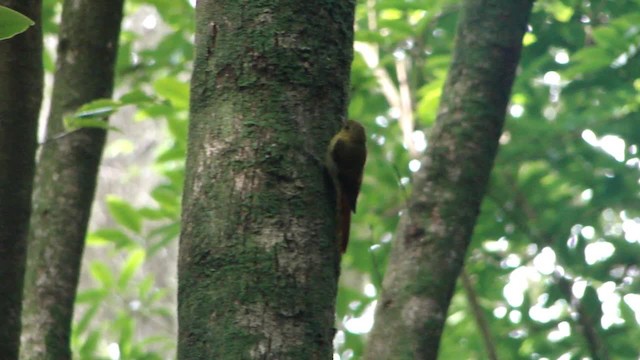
<point x="558" y="235"/>
<point x="12" y="23"/>
<point x="111" y="312"/>
<point x="130" y="294"/>
<point x="555" y="252"/>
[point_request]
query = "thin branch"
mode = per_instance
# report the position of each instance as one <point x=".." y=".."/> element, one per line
<point x="587" y="325"/>
<point x="406" y="119"/>
<point x="372" y="16"/>
<point x="58" y="137"/>
<point x="478" y="314"/>
<point x="371" y="55"/>
<point x="597" y="347"/>
<point x="372" y="59"/>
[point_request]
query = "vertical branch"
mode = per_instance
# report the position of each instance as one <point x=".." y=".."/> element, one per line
<point x="371" y="55"/>
<point x="406" y="106"/>
<point x="478" y="314"/>
<point x="87" y="47"/>
<point x="372" y="15"/>
<point x="21" y="77"/>
<point x="428" y="256"/>
<point x="587" y="323"/>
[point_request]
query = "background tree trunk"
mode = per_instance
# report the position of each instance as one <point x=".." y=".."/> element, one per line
<point x="21" y="74"/>
<point x="258" y="262"/>
<point x="66" y="176"/>
<point x="436" y="230"/>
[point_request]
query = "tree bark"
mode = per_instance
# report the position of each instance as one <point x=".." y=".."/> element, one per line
<point x="436" y="230"/>
<point x="21" y="78"/>
<point x="66" y="176"/>
<point x="258" y="264"/>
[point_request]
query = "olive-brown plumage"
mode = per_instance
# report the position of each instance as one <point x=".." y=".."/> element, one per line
<point x="346" y="155"/>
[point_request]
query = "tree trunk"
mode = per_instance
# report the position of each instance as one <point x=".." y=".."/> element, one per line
<point x="436" y="230"/>
<point x="66" y="176"/>
<point x="21" y="75"/>
<point x="258" y="264"/>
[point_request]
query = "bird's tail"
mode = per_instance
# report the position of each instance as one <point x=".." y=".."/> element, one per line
<point x="344" y="223"/>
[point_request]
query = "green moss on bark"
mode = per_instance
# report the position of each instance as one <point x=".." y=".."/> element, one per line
<point x="88" y="42"/>
<point x="258" y="258"/>
<point x="429" y="252"/>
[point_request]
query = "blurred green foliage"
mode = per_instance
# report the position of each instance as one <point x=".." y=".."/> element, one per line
<point x="557" y="239"/>
<point x="555" y="253"/>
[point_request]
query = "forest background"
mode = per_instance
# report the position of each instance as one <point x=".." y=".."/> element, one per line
<point x="552" y="269"/>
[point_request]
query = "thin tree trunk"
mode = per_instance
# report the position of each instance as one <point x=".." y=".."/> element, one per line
<point x="21" y="76"/>
<point x="258" y="262"/>
<point x="587" y="322"/>
<point x="429" y="253"/>
<point x="479" y="316"/>
<point x="66" y="176"/>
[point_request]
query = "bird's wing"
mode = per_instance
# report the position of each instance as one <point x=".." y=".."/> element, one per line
<point x="349" y="172"/>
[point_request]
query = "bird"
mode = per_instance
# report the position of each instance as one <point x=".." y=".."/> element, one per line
<point x="345" y="159"/>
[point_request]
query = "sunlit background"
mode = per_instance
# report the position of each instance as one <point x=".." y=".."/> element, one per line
<point x="559" y="232"/>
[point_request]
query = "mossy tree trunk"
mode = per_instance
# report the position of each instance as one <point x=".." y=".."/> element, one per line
<point x="258" y="262"/>
<point x="434" y="234"/>
<point x="21" y="77"/>
<point x="66" y="176"/>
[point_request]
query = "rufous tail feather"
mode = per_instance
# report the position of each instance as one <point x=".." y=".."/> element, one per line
<point x="344" y="223"/>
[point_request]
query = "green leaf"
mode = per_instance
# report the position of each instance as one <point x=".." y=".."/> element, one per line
<point x="174" y="153"/>
<point x="609" y="38"/>
<point x="101" y="272"/>
<point x="347" y="296"/>
<point x="151" y="213"/>
<point x="178" y="127"/>
<point x="165" y="196"/>
<point x="93" y="115"/>
<point x="135" y="259"/>
<point x="82" y="325"/>
<point x="161" y="311"/>
<point x="589" y="60"/>
<point x="145" y="287"/>
<point x="174" y="90"/>
<point x="74" y="123"/>
<point x="12" y="23"/>
<point x="167" y="234"/>
<point x="115" y="236"/>
<point x="124" y="213"/>
<point x="94" y="296"/>
<point x="125" y="324"/>
<point x="90" y="345"/>
<point x="158" y="295"/>
<point x="561" y="12"/>
<point x="136" y="97"/>
<point x="98" y="108"/>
